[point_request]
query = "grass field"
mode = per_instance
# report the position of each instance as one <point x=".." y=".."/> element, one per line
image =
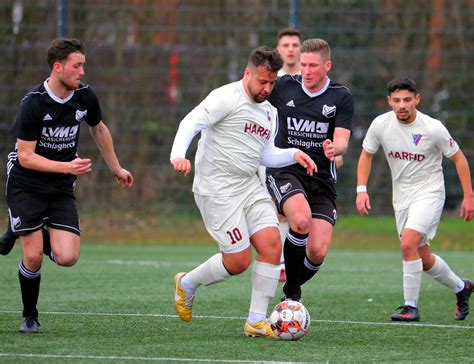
<point x="116" y="306"/>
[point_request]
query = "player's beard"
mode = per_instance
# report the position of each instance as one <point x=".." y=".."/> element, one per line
<point x="404" y="117"/>
<point x="70" y="86"/>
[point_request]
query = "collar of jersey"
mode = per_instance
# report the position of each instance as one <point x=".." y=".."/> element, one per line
<point x="311" y="94"/>
<point x="53" y="96"/>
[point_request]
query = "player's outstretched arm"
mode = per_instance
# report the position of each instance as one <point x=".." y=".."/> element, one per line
<point x="464" y="174"/>
<point x="363" y="172"/>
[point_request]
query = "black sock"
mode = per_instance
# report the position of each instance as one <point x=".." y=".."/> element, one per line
<point x="309" y="269"/>
<point x="30" y="285"/>
<point x="294" y="251"/>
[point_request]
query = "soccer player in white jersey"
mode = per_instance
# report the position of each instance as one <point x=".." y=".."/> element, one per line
<point x="236" y="125"/>
<point x="414" y="145"/>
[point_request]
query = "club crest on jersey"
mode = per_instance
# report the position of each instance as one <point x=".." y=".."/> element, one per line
<point x="285" y="188"/>
<point x="416" y="138"/>
<point x="269" y="117"/>
<point x="80" y="115"/>
<point x="329" y="111"/>
<point x="16" y="221"/>
<point x="257" y="130"/>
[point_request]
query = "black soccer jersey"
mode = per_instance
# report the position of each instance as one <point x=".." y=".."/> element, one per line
<point x="305" y="120"/>
<point x="54" y="124"/>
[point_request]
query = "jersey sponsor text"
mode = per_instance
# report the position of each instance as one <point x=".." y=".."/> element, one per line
<point x="406" y="156"/>
<point x="258" y="130"/>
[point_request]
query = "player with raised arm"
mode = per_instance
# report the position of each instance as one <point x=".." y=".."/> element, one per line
<point x="414" y="145"/>
<point x="236" y="128"/>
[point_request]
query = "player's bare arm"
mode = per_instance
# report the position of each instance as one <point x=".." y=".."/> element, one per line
<point x="464" y="174"/>
<point x="338" y="146"/>
<point x="363" y="172"/>
<point x="181" y="165"/>
<point x="31" y="160"/>
<point x="103" y="139"/>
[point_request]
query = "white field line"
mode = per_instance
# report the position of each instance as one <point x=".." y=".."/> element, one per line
<point x="136" y="358"/>
<point x="344" y="322"/>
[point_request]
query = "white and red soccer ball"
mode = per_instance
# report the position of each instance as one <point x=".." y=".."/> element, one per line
<point x="290" y="320"/>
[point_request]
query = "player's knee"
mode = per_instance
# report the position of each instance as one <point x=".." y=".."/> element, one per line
<point x="301" y="224"/>
<point x="66" y="259"/>
<point x="407" y="249"/>
<point x="316" y="255"/>
<point x="33" y="261"/>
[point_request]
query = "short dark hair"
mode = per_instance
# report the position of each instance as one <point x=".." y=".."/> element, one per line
<point x="265" y="57"/>
<point x="288" y="32"/>
<point x="402" y="83"/>
<point x="317" y="45"/>
<point x="60" y="48"/>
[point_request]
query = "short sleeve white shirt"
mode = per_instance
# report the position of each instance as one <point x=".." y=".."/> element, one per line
<point x="414" y="154"/>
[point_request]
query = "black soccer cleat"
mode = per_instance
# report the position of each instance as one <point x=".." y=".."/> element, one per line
<point x="290" y="297"/>
<point x="7" y="241"/>
<point x="462" y="304"/>
<point x="407" y="313"/>
<point x="30" y="325"/>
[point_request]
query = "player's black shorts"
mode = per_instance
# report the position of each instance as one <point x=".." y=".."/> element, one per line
<point x="30" y="210"/>
<point x="321" y="199"/>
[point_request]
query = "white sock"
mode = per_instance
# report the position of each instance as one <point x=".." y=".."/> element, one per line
<point x="444" y="275"/>
<point x="210" y="272"/>
<point x="264" y="285"/>
<point x="283" y="228"/>
<point x="412" y="271"/>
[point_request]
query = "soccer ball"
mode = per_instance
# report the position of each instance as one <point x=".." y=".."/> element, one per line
<point x="290" y="320"/>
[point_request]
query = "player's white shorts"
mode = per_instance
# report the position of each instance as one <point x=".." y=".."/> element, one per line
<point x="232" y="220"/>
<point x="423" y="216"/>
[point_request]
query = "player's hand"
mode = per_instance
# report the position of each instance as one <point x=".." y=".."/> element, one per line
<point x="329" y="149"/>
<point x="306" y="161"/>
<point x="467" y="208"/>
<point x="124" y="178"/>
<point x="79" y="166"/>
<point x="182" y="165"/>
<point x="363" y="203"/>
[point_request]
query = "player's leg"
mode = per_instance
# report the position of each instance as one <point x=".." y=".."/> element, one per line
<point x="412" y="270"/>
<point x="265" y="274"/>
<point x="29" y="275"/>
<point x="226" y="223"/>
<point x="63" y="230"/>
<point x="317" y="248"/>
<point x="26" y="210"/>
<point x="324" y="216"/>
<point x="283" y="228"/>
<point x="298" y="214"/>
<point x="438" y="269"/>
<point x="264" y="236"/>
<point x="7" y="239"/>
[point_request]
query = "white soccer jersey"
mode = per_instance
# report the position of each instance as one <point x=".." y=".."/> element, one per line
<point x="414" y="154"/>
<point x="236" y="134"/>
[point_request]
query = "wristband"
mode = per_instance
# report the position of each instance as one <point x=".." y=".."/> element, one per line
<point x="361" y="188"/>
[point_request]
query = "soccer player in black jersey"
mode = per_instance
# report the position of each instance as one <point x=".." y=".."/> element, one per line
<point x="43" y="167"/>
<point x="315" y="115"/>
